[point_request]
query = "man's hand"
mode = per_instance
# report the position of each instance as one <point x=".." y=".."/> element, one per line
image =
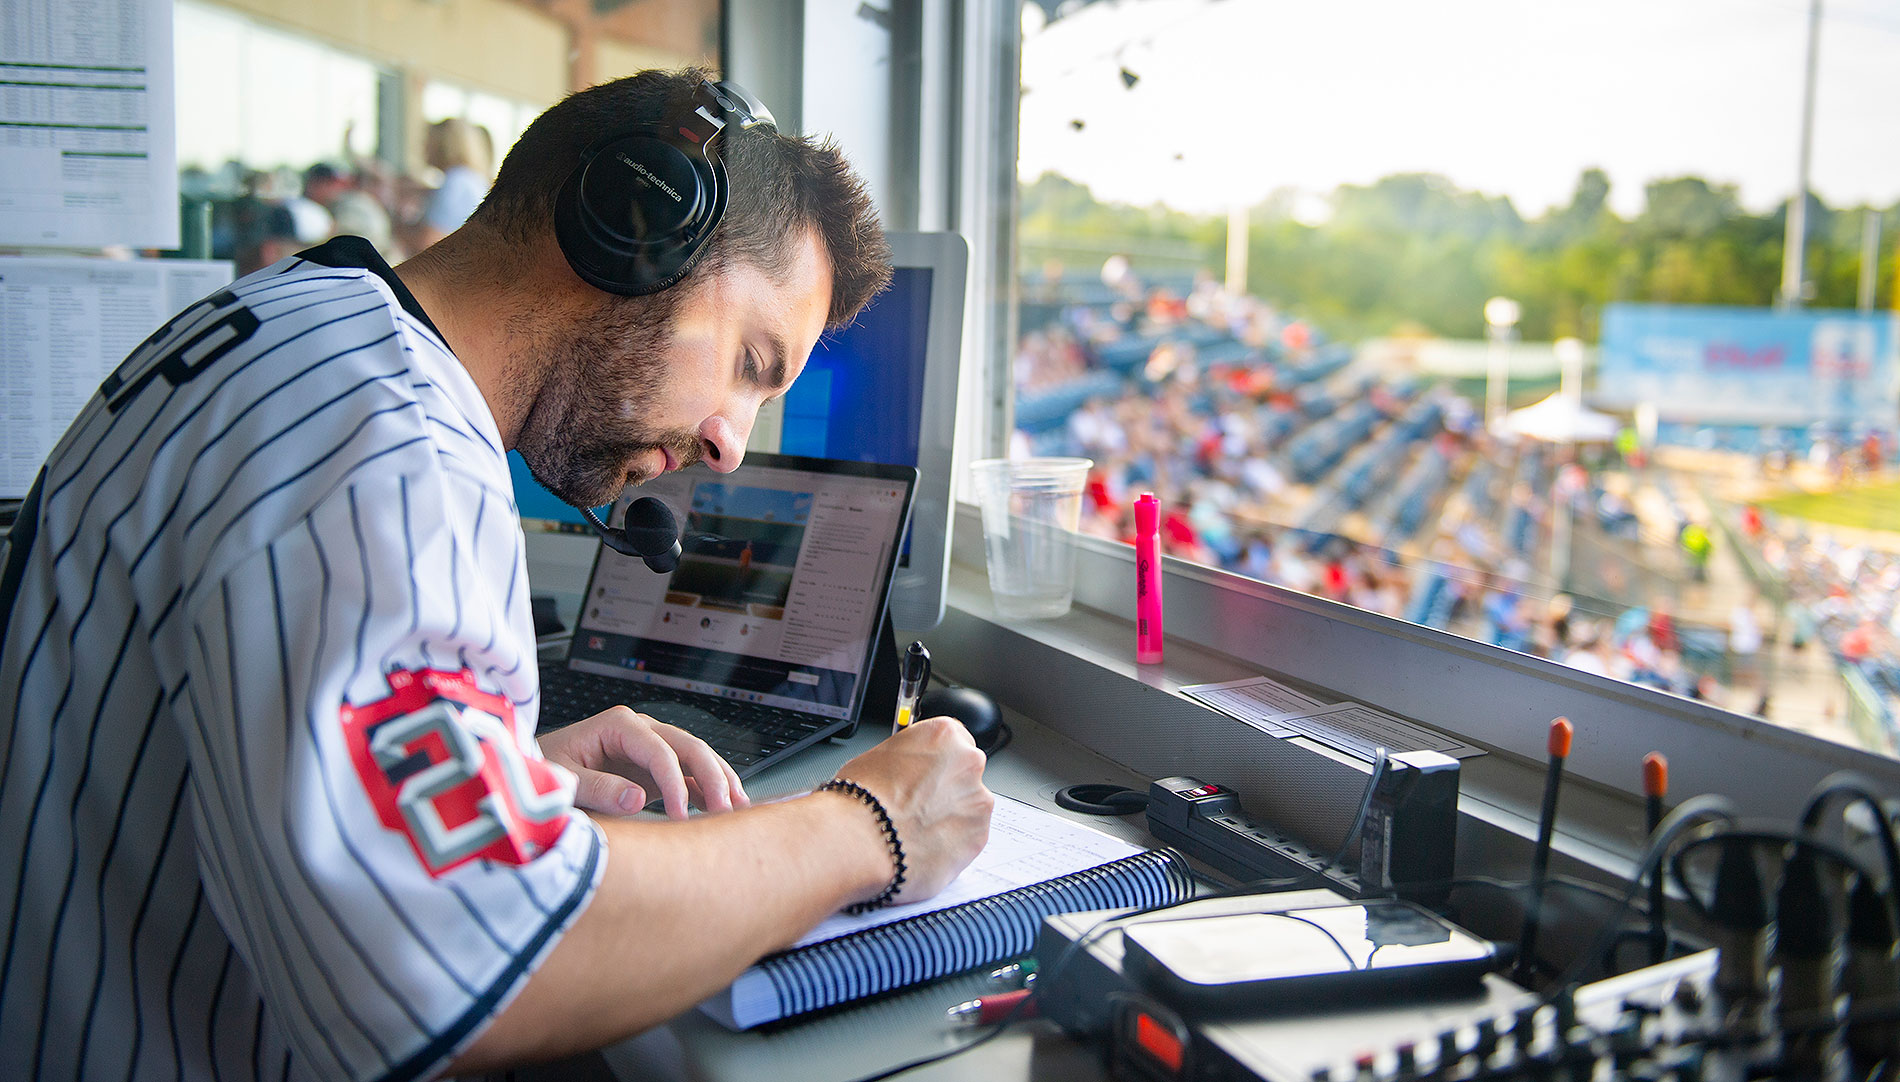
<point x="929" y="777"/>
<point x="622" y="758"/>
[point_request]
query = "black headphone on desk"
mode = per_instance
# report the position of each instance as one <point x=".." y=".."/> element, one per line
<point x="635" y="211"/>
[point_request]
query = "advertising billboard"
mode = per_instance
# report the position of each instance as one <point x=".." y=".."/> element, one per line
<point x="1750" y="365"/>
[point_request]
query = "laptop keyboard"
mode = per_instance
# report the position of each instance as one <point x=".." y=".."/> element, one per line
<point x="750" y="736"/>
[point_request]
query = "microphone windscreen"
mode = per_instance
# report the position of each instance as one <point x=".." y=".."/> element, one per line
<point x="650" y="526"/>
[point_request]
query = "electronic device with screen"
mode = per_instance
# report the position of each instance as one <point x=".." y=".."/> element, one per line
<point x="761" y="641"/>
<point x="885" y="390"/>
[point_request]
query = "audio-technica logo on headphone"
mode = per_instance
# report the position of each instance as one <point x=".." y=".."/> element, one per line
<point x="647" y="175"/>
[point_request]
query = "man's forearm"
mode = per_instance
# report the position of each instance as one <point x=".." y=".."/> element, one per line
<point x="682" y="909"/>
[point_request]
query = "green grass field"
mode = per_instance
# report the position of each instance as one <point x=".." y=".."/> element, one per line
<point x="1868" y="507"/>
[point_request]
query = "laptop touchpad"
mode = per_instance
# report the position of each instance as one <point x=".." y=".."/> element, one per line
<point x="674" y="713"/>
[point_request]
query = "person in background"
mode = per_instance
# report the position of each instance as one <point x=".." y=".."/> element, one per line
<point x="460" y="150"/>
<point x="1697" y="546"/>
<point x="353" y="211"/>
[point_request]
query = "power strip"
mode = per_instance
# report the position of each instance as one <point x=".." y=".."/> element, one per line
<point x="1207" y="822"/>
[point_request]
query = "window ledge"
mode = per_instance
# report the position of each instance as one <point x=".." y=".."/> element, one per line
<point x="1076" y="674"/>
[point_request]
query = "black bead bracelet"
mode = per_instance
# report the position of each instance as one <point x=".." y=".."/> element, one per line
<point x="890" y="836"/>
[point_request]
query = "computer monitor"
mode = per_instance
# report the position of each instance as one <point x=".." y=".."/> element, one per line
<point x="885" y="390"/>
<point x="881" y="390"/>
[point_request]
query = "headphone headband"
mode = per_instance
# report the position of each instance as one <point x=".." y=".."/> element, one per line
<point x="738" y="103"/>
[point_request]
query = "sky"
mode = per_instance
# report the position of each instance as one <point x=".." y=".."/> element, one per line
<point x="1508" y="97"/>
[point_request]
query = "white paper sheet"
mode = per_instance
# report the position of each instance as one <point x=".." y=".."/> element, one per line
<point x="88" y="144"/>
<point x="1027" y="845"/>
<point x="1278" y="710"/>
<point x="1254" y="700"/>
<point x="64" y="325"/>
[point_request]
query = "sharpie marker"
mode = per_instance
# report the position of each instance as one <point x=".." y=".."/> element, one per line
<point x="1148" y="637"/>
<point x="910" y="684"/>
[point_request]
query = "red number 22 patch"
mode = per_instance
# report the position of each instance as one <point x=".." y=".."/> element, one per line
<point x="442" y="765"/>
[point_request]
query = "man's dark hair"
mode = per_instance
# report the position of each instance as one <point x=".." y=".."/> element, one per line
<point x="779" y="185"/>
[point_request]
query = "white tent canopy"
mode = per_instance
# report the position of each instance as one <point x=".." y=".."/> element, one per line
<point x="1559" y="419"/>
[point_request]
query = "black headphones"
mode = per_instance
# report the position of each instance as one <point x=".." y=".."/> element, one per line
<point x="635" y="211"/>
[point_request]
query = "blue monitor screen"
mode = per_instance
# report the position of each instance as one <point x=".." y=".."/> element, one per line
<point x="862" y="394"/>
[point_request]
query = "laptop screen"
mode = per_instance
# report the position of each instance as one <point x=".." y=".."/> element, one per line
<point x="783" y="575"/>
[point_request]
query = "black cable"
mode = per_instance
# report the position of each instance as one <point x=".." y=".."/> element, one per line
<point x="1101" y="798"/>
<point x="1688" y="815"/>
<point x="1380" y="761"/>
<point x="1754" y="835"/>
<point x="1351" y="962"/>
<point x="1000" y="738"/>
<point x="1849" y="782"/>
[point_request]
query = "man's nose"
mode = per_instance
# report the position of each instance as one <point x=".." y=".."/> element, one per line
<point x="722" y="441"/>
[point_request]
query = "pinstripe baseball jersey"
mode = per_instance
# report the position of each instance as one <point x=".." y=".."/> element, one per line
<point x="270" y="803"/>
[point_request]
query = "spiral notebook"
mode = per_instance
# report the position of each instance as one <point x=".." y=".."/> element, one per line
<point x="1036" y="863"/>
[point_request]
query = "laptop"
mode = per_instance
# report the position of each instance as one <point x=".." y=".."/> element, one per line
<point x="761" y="641"/>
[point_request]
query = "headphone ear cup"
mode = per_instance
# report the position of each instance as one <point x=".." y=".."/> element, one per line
<point x="632" y="215"/>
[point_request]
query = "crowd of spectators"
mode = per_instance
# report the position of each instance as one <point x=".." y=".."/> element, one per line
<point x="1841" y="594"/>
<point x="259" y="216"/>
<point x="1409" y="509"/>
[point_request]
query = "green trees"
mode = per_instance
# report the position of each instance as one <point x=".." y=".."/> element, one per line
<point x="1413" y="252"/>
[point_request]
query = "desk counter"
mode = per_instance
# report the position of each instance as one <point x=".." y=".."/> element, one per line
<point x="853" y="1041"/>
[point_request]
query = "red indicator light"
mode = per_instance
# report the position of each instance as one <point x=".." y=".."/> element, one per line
<point x="1159" y="1042"/>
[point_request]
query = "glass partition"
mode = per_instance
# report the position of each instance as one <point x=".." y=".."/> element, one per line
<point x="1489" y="317"/>
<point x="300" y="121"/>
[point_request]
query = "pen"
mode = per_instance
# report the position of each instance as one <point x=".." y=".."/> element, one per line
<point x="914" y="672"/>
<point x="986" y="1010"/>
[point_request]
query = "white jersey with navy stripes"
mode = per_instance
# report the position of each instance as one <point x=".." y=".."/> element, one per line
<point x="270" y="802"/>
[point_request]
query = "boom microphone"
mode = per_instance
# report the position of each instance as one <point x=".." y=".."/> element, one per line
<point x="649" y="532"/>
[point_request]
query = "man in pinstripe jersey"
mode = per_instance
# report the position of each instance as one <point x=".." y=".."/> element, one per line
<point x="270" y="800"/>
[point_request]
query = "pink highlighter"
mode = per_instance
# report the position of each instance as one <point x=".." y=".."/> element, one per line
<point x="1147" y="579"/>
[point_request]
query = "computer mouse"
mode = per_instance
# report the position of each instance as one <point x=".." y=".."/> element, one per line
<point x="977" y="711"/>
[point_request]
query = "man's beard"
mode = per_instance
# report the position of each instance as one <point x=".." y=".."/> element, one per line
<point x="590" y="418"/>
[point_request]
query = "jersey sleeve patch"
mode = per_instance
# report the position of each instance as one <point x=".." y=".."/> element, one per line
<point x="442" y="765"/>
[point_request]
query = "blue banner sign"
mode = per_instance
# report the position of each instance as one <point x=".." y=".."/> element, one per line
<point x="1750" y="365"/>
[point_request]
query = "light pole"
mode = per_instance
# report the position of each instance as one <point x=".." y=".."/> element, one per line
<point x="1500" y="315"/>
<point x="1569" y="485"/>
<point x="1794" y="241"/>
<point x="1869" y="259"/>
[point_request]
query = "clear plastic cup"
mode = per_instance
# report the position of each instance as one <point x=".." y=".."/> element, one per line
<point x="1031" y="507"/>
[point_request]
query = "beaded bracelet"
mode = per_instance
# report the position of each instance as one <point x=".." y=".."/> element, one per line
<point x="890" y="836"/>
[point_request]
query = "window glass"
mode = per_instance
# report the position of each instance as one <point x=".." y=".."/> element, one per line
<point x="298" y="121"/>
<point x="1486" y="316"/>
<point x="250" y="93"/>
